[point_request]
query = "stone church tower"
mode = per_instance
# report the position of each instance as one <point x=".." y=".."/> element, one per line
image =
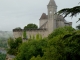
<point x="47" y="23"/>
<point x="52" y="9"/>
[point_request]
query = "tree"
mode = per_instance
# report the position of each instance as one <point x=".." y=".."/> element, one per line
<point x="18" y="28"/>
<point x="74" y="11"/>
<point x="29" y="49"/>
<point x="62" y="46"/>
<point x="31" y="26"/>
<point x="61" y="31"/>
<point x="13" y="45"/>
<point x="2" y="56"/>
<point x="56" y="47"/>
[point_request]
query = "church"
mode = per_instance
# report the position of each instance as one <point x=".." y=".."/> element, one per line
<point x="47" y="23"/>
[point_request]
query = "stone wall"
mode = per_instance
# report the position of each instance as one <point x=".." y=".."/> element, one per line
<point x="42" y="21"/>
<point x="60" y="23"/>
<point x="17" y="33"/>
<point x="31" y="33"/>
<point x="42" y="32"/>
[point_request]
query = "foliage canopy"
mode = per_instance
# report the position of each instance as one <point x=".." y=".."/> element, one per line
<point x="74" y="11"/>
<point x="31" y="26"/>
<point x="13" y="45"/>
<point x="62" y="44"/>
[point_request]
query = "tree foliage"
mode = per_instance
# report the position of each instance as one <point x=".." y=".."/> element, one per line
<point x="61" y="31"/>
<point x="62" y="47"/>
<point x="74" y="11"/>
<point x="31" y="26"/>
<point x="18" y="28"/>
<point x="30" y="49"/>
<point x="61" y="44"/>
<point x="13" y="45"/>
<point x="2" y="56"/>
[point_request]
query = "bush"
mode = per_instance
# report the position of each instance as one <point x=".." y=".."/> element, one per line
<point x="31" y="48"/>
<point x="62" y="44"/>
<point x="13" y="45"/>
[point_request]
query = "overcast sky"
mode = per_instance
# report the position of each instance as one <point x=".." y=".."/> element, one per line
<point x="18" y="13"/>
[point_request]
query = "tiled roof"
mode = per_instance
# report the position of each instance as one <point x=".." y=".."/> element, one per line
<point x="60" y="18"/>
<point x="43" y="16"/>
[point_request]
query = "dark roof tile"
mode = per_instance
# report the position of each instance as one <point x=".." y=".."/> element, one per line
<point x="43" y="16"/>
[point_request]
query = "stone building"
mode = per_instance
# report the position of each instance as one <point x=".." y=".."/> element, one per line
<point x="47" y="23"/>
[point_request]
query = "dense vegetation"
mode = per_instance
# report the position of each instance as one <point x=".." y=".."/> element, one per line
<point x="2" y="56"/>
<point x="13" y="45"/>
<point x="74" y="11"/>
<point x="62" y="44"/>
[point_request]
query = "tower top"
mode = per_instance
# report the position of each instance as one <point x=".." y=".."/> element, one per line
<point x="52" y="3"/>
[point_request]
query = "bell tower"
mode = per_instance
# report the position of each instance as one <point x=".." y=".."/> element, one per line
<point x="52" y="9"/>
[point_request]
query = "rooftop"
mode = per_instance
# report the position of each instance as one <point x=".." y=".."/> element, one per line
<point x="44" y="16"/>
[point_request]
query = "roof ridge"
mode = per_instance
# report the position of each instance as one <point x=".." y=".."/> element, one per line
<point x="52" y="3"/>
<point x="43" y="16"/>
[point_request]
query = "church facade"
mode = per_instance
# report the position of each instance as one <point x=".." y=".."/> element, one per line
<point x="47" y="23"/>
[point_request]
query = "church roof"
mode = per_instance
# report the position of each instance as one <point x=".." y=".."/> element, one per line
<point x="43" y="16"/>
<point x="52" y="3"/>
<point x="60" y="18"/>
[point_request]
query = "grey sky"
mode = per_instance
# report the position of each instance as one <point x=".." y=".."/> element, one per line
<point x="18" y="13"/>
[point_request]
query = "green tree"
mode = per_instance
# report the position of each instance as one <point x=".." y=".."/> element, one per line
<point x="13" y="45"/>
<point x="36" y="58"/>
<point x="2" y="56"/>
<point x="62" y="46"/>
<point x="31" y="26"/>
<point x="74" y="11"/>
<point x="11" y="42"/>
<point x="55" y="49"/>
<point x="18" y="28"/>
<point x="31" y="48"/>
<point x="61" y="31"/>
